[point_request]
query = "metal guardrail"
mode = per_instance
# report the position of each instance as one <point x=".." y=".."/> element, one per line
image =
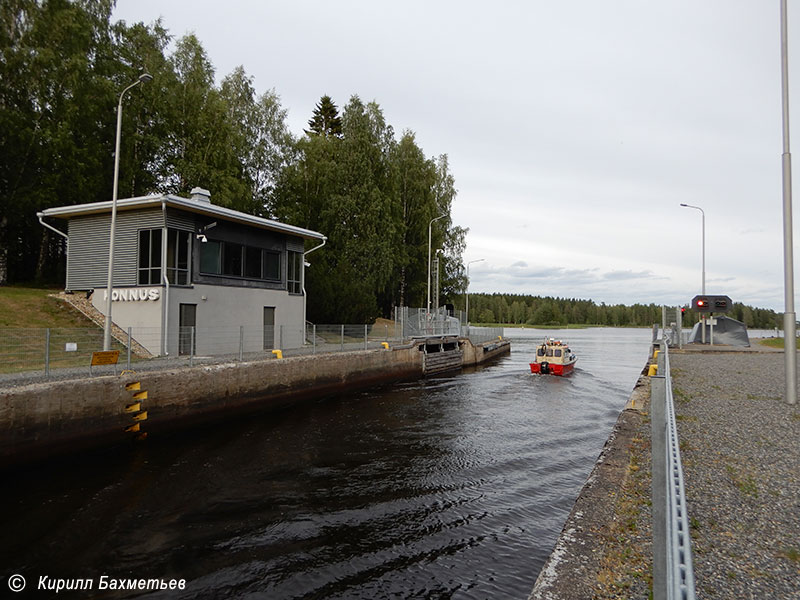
<point x="673" y="574"/>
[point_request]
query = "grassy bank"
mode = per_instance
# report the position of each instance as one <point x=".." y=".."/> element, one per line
<point x="775" y="342"/>
<point x="34" y="307"/>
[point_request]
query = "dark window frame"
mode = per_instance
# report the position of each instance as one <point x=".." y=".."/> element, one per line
<point x="148" y="268"/>
<point x="294" y="272"/>
<point x="270" y="261"/>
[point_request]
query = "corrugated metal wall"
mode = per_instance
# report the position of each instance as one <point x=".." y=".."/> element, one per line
<point x="87" y="263"/>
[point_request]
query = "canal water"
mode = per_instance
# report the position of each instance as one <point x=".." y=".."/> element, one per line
<point x="454" y="486"/>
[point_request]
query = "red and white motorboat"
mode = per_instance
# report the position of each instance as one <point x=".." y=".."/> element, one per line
<point x="554" y="358"/>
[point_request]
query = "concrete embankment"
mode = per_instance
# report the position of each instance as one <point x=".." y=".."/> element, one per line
<point x="42" y="419"/>
<point x="588" y="555"/>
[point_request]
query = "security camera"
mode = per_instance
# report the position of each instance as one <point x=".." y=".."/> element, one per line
<point x="202" y="238"/>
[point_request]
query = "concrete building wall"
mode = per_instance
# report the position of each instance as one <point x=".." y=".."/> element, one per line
<point x="220" y="311"/>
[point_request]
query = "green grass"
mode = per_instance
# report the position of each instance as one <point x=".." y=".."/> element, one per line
<point x="792" y="554"/>
<point x="33" y="307"/>
<point x="25" y="313"/>
<point x="775" y="342"/>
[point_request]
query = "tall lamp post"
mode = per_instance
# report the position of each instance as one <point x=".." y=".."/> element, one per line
<point x="703" y="290"/>
<point x="143" y="78"/>
<point x="789" y="316"/>
<point x="468" y="264"/>
<point x="428" y="310"/>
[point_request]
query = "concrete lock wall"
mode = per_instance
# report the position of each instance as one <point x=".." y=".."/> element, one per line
<point x="46" y="419"/>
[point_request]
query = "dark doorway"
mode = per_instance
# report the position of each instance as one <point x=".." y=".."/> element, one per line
<point x="187" y="344"/>
<point x="269" y="327"/>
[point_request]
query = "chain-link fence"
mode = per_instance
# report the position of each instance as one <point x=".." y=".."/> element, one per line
<point x="418" y="322"/>
<point x="43" y="350"/>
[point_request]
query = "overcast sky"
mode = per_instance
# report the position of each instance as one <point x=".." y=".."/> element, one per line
<point x="574" y="129"/>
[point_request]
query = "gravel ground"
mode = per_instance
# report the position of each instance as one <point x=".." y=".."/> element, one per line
<point x="740" y="446"/>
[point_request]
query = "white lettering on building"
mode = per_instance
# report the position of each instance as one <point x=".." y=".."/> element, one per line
<point x="134" y="295"/>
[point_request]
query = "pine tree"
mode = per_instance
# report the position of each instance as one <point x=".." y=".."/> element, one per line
<point x="326" y="120"/>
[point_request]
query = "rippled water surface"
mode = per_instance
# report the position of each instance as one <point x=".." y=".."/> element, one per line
<point x="448" y="487"/>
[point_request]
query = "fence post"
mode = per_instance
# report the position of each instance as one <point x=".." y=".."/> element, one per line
<point x="128" y="364"/>
<point x="658" y="423"/>
<point x="341" y="347"/>
<point x="47" y="352"/>
<point x="241" y="342"/>
<point x="314" y="339"/>
<point x="365" y="337"/>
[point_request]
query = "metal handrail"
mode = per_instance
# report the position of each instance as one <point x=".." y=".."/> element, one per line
<point x="673" y="574"/>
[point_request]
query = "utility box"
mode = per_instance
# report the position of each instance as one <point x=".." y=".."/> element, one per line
<point x="711" y="304"/>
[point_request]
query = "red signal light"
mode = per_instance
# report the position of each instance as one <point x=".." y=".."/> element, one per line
<point x="700" y="303"/>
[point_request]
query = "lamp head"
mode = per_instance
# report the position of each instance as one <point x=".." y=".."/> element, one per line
<point x="145" y="77"/>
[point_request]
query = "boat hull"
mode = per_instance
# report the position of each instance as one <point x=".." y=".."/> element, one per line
<point x="553" y="368"/>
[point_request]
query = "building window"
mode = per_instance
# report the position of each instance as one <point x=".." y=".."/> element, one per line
<point x="211" y="257"/>
<point x="272" y="265"/>
<point x="150" y="257"/>
<point x="232" y="259"/>
<point x="178" y="251"/>
<point x="236" y="260"/>
<point x="252" y="262"/>
<point x="294" y="272"/>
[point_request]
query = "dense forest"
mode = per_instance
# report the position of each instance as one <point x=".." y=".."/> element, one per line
<point x="537" y="310"/>
<point x="63" y="65"/>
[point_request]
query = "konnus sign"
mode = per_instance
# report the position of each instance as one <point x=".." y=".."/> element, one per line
<point x="134" y="295"/>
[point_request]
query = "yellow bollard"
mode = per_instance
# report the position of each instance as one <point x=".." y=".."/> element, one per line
<point x="385" y="345"/>
<point x="653" y="370"/>
<point x="278" y="353"/>
<point x="655" y="354"/>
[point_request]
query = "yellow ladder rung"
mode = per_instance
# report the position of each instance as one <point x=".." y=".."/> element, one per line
<point x="140" y="395"/>
<point x="142" y="416"/>
<point x="132" y="428"/>
<point x="134" y="385"/>
<point x="135" y="407"/>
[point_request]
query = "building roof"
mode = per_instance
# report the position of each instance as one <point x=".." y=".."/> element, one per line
<point x="203" y="207"/>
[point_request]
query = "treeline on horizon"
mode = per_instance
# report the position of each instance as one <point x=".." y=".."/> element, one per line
<point x="63" y="65"/>
<point x="516" y="309"/>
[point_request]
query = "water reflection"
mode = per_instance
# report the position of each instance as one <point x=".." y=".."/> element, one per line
<point x="449" y="487"/>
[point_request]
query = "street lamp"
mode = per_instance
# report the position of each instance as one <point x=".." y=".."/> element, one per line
<point x="703" y="290"/>
<point x="468" y="264"/>
<point x="143" y="78"/>
<point x="427" y="314"/>
<point x="789" y="316"/>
